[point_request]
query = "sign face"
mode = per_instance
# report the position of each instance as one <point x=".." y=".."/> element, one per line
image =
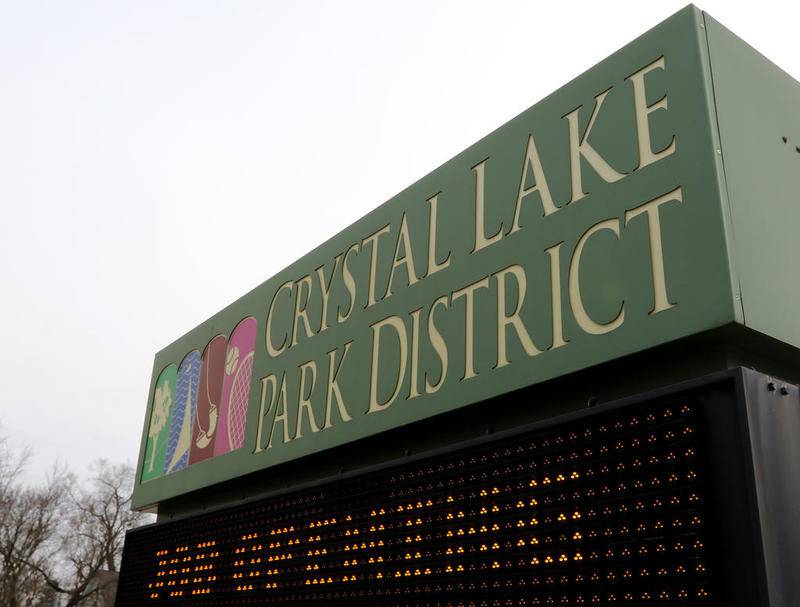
<point x="587" y="228"/>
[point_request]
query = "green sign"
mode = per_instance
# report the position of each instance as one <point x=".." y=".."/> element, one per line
<point x="591" y="226"/>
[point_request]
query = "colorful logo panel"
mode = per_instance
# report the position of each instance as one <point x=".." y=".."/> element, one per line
<point x="200" y="408"/>
<point x="157" y="433"/>
<point x="236" y="386"/>
<point x="180" y="430"/>
<point x="206" y="418"/>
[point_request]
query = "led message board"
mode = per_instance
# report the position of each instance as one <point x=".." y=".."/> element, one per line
<point x="608" y="509"/>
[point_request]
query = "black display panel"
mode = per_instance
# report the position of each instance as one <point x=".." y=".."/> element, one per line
<point x="605" y="510"/>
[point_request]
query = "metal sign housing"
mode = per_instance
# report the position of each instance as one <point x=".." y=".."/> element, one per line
<point x="643" y="202"/>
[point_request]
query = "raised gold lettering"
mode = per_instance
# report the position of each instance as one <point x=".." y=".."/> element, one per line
<point x="513" y="319"/>
<point x="405" y="259"/>
<point x="439" y="346"/>
<point x="396" y="323"/>
<point x="481" y="240"/>
<point x="271" y="380"/>
<point x="372" y="239"/>
<point x="576" y="301"/>
<point x="301" y="307"/>
<point x="271" y="349"/>
<point x="281" y="414"/>
<point x="433" y="266"/>
<point x="413" y="392"/>
<point x="468" y="293"/>
<point x="333" y="386"/>
<point x="579" y="147"/>
<point x="651" y="211"/>
<point x="325" y="289"/>
<point x="349" y="283"/>
<point x="304" y="407"/>
<point x="555" y="295"/>
<point x="533" y="162"/>
<point x="643" y="111"/>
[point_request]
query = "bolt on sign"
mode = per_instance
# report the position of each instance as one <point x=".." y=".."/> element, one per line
<point x="613" y="216"/>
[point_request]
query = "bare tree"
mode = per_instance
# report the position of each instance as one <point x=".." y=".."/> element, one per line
<point x="92" y="534"/>
<point x="61" y="537"/>
<point x="29" y="518"/>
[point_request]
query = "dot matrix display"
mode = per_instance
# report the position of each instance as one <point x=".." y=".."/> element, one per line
<point x="608" y="510"/>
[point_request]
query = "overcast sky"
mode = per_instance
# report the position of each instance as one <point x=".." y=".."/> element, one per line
<point x="133" y="134"/>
